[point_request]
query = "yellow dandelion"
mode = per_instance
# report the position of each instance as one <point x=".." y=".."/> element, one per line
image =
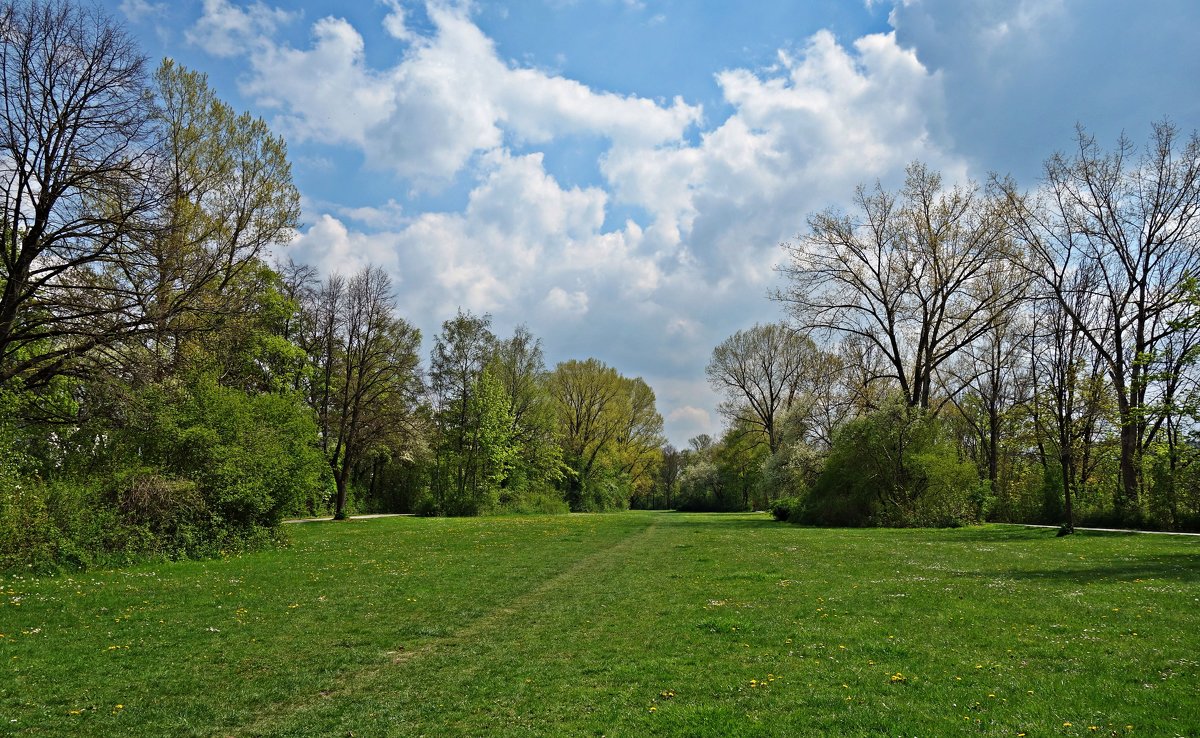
<point x="1067" y="724"/>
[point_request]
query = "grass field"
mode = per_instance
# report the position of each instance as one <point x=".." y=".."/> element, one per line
<point x="623" y="625"/>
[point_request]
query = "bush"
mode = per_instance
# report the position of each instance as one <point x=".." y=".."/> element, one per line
<point x="895" y="467"/>
<point x="785" y="507"/>
<point x="185" y="470"/>
<point x="240" y="460"/>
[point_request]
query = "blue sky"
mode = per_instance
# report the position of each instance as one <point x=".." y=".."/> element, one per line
<point x="619" y="174"/>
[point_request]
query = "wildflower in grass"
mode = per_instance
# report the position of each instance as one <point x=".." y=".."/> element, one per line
<point x="898" y="677"/>
<point x="1067" y="724"/>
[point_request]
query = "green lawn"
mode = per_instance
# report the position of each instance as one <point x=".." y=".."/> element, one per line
<point x="627" y="624"/>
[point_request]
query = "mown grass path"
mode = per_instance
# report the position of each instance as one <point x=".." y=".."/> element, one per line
<point x="626" y="624"/>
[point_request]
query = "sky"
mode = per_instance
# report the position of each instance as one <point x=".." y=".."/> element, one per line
<point x="619" y="175"/>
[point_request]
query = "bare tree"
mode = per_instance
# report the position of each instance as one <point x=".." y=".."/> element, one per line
<point x="76" y="184"/>
<point x="762" y="371"/>
<point x="909" y="276"/>
<point x="1115" y="237"/>
<point x="367" y="380"/>
<point x="1068" y="397"/>
<point x="669" y="470"/>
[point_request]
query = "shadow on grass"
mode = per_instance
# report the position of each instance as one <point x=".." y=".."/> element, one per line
<point x="1172" y="567"/>
<point x="998" y="533"/>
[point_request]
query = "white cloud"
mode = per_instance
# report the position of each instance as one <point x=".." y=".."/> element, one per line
<point x="651" y="295"/>
<point x="395" y="22"/>
<point x="140" y="10"/>
<point x="449" y="98"/>
<point x="227" y="30"/>
<point x="566" y="304"/>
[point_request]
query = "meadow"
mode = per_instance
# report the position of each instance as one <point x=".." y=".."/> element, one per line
<point x="624" y="624"/>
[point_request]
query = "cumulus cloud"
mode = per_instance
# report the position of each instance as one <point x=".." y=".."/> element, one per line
<point x="1022" y="74"/>
<point x="225" y="29"/>
<point x="449" y="97"/>
<point x="650" y="295"/>
<point x="566" y="304"/>
<point x="140" y="10"/>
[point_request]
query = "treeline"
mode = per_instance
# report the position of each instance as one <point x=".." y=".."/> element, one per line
<point x="977" y="353"/>
<point x="165" y="391"/>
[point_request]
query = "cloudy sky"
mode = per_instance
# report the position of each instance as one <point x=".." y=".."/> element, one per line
<point x="619" y="174"/>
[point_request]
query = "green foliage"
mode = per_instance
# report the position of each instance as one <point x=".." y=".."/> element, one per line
<point x="895" y="467"/>
<point x="252" y="458"/>
<point x="192" y="469"/>
<point x="784" y="507"/>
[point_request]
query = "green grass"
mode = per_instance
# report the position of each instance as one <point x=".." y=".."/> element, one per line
<point x="629" y="624"/>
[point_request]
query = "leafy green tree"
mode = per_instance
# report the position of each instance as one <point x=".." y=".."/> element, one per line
<point x="461" y="352"/>
<point x="228" y="198"/>
<point x="537" y="466"/>
<point x="610" y="432"/>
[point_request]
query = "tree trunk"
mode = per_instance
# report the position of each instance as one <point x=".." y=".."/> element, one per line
<point x="1130" y="472"/>
<point x="1068" y="511"/>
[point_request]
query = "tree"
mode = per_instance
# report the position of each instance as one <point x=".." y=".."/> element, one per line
<point x="228" y="197"/>
<point x="639" y="439"/>
<point x="461" y="352"/>
<point x="366" y="381"/>
<point x="910" y="277"/>
<point x="128" y="211"/>
<point x="585" y="393"/>
<point x="1115" y="238"/>
<point x="77" y="185"/>
<point x="521" y="369"/>
<point x="1067" y="402"/>
<point x="762" y="371"/>
<point x="672" y="465"/>
<point x="610" y="432"/>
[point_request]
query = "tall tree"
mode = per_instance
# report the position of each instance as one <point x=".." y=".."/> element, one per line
<point x="461" y="352"/>
<point x="519" y="365"/>
<point x="639" y="439"/>
<point x="366" y="382"/>
<point x="228" y="198"/>
<point x="1067" y="401"/>
<point x="77" y="184"/>
<point x="909" y="275"/>
<point x="585" y="394"/>
<point x="1115" y="237"/>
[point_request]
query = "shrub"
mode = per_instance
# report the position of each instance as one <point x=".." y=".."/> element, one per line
<point x="894" y="467"/>
<point x="785" y="507"/>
